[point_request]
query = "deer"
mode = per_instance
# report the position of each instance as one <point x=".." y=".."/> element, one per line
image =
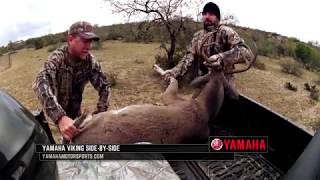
<point x="178" y="121"/>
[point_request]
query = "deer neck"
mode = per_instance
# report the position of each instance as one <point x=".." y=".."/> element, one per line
<point x="212" y="95"/>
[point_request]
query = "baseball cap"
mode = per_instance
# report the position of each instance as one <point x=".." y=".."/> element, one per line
<point x="84" y="30"/>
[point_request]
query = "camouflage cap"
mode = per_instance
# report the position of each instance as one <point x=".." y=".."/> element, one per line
<point x="83" y="29"/>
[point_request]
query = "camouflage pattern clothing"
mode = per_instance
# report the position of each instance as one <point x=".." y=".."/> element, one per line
<point x="60" y="84"/>
<point x="225" y="42"/>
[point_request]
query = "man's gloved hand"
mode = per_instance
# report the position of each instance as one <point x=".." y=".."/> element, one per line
<point x="67" y="129"/>
<point x="214" y="61"/>
<point x="167" y="74"/>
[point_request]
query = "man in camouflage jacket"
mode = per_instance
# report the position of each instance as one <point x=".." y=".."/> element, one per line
<point x="227" y="47"/>
<point x="60" y="83"/>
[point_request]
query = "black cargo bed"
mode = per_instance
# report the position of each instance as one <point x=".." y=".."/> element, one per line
<point x="244" y="166"/>
<point x="245" y="117"/>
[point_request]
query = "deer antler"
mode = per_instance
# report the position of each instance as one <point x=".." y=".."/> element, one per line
<point x="158" y="69"/>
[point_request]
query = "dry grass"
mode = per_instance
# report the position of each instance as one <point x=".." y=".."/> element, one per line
<point x="137" y="83"/>
<point x="4" y="62"/>
<point x="267" y="87"/>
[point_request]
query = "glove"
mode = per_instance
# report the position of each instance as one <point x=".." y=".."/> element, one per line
<point x="168" y="74"/>
<point x="214" y="61"/>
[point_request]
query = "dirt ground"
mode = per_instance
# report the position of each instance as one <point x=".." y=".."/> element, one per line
<point x="136" y="82"/>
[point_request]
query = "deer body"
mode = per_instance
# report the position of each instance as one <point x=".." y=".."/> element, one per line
<point x="143" y="123"/>
<point x="180" y="121"/>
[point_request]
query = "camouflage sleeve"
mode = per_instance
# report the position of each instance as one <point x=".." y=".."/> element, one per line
<point x="45" y="88"/>
<point x="182" y="67"/>
<point x="238" y="52"/>
<point x="100" y="83"/>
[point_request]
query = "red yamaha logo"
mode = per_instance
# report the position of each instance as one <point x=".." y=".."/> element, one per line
<point x="216" y="144"/>
<point x="238" y="144"/>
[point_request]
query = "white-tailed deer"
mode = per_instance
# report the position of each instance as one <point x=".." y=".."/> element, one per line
<point x="178" y="121"/>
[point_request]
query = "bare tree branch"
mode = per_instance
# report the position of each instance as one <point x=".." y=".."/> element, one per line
<point x="166" y="12"/>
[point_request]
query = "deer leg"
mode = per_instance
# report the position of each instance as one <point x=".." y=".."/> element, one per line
<point x="171" y="93"/>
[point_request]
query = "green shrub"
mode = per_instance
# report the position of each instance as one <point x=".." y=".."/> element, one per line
<point x="314" y="94"/>
<point x="307" y="86"/>
<point x="96" y="45"/>
<point x="258" y="64"/>
<point x="162" y="60"/>
<point x="303" y="52"/>
<point x="3" y="50"/>
<point x="38" y="43"/>
<point x="314" y="91"/>
<point x="144" y="36"/>
<point x="113" y="35"/>
<point x="265" y="50"/>
<point x="54" y="47"/>
<point x="290" y="86"/>
<point x="291" y="68"/>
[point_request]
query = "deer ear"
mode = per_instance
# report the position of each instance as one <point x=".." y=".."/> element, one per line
<point x="199" y="81"/>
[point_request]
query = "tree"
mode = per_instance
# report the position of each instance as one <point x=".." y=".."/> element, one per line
<point x="38" y="43"/>
<point x="158" y="12"/>
<point x="10" y="46"/>
<point x="303" y="52"/>
<point x="229" y="19"/>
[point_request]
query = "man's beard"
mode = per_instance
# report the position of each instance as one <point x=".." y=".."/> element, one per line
<point x="209" y="25"/>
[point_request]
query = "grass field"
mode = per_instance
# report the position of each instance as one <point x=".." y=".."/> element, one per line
<point x="137" y="83"/>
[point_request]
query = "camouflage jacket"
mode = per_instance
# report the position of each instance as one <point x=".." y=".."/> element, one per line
<point x="226" y="42"/>
<point x="60" y="84"/>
